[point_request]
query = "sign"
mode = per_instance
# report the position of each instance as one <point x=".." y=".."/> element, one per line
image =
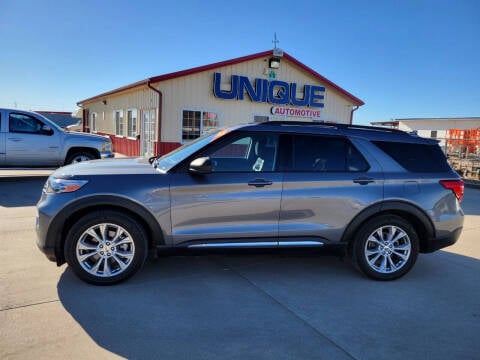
<point x="294" y="112"/>
<point x="268" y="91"/>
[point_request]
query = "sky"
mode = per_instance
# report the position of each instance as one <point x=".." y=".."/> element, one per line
<point x="404" y="59"/>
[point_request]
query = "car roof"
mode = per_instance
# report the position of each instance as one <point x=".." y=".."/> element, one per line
<point x="327" y="128"/>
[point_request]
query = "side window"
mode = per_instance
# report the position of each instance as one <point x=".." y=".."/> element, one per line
<point x="21" y="123"/>
<point x="326" y="154"/>
<point x="246" y="153"/>
<point x="415" y="157"/>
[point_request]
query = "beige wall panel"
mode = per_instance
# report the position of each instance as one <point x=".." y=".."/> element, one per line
<point x="195" y="92"/>
<point x="140" y="99"/>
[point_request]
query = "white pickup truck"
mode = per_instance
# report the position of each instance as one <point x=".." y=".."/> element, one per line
<point x="30" y="139"/>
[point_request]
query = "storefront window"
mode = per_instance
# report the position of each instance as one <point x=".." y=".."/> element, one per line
<point x="196" y="123"/>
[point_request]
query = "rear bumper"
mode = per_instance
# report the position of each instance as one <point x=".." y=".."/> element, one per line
<point x="439" y="243"/>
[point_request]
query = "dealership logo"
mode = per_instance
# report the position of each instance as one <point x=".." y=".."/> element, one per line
<point x="268" y="91"/>
<point x="295" y="112"/>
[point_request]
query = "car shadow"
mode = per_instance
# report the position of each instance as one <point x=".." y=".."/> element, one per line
<point x="17" y="192"/>
<point x="271" y="306"/>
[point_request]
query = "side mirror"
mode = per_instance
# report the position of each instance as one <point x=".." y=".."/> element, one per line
<point x="201" y="165"/>
<point x="47" y="130"/>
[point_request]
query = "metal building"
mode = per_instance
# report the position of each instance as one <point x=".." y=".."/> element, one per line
<point x="156" y="115"/>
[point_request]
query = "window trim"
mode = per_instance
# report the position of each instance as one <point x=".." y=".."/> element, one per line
<point x="115" y="122"/>
<point x="136" y="123"/>
<point x="93" y="123"/>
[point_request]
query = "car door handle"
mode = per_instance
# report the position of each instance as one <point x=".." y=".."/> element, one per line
<point x="15" y="139"/>
<point x="363" y="180"/>
<point x="260" y="182"/>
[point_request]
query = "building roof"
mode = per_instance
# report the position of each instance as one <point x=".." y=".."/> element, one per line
<point x="61" y="118"/>
<point x="156" y="79"/>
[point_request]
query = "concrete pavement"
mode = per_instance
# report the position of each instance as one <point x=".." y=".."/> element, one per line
<point x="235" y="306"/>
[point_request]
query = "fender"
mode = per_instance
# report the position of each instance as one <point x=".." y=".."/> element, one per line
<point x="56" y="228"/>
<point x="385" y="207"/>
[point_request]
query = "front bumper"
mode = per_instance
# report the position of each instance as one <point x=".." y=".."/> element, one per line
<point x="107" y="155"/>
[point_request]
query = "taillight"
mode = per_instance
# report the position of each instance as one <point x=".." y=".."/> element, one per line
<point x="457" y="187"/>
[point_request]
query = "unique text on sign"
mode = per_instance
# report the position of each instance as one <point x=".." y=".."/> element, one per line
<point x="273" y="91"/>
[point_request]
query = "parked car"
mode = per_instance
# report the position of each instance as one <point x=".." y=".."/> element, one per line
<point x="30" y="139"/>
<point x="382" y="194"/>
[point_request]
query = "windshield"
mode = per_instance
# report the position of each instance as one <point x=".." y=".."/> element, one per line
<point x="168" y="161"/>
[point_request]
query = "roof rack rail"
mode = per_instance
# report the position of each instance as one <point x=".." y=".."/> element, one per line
<point x="332" y="124"/>
<point x="299" y="123"/>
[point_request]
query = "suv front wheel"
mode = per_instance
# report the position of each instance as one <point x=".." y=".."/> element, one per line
<point x="106" y="247"/>
<point x="385" y="247"/>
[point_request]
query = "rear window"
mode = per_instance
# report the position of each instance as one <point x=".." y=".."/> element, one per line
<point x="416" y="157"/>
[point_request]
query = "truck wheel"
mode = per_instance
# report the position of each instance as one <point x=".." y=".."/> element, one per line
<point x="386" y="247"/>
<point x="79" y="156"/>
<point x="106" y="247"/>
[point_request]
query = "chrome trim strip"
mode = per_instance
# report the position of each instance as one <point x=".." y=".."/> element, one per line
<point x="300" y="243"/>
<point x="234" y="245"/>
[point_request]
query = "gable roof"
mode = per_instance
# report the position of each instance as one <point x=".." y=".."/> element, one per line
<point x="177" y="74"/>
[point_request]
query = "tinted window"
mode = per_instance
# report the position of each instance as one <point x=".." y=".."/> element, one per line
<point x="20" y="123"/>
<point x="256" y="152"/>
<point x="416" y="157"/>
<point x="326" y="154"/>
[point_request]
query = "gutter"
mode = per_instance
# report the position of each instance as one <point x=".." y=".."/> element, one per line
<point x="159" y="115"/>
<point x="351" y="113"/>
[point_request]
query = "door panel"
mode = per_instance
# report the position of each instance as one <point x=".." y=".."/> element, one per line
<point x="224" y="206"/>
<point x="322" y="204"/>
<point x="148" y="132"/>
<point x="26" y="144"/>
<point x="239" y="199"/>
<point x="327" y="184"/>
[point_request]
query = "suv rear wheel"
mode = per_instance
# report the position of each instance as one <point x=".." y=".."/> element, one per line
<point x="386" y="247"/>
<point x="106" y="247"/>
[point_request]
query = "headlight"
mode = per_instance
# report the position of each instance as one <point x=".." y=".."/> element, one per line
<point x="107" y="146"/>
<point x="58" y="186"/>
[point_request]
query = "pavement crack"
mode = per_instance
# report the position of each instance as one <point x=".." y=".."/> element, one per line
<point x="29" y="305"/>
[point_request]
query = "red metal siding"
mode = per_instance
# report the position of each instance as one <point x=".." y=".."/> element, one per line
<point x="131" y="147"/>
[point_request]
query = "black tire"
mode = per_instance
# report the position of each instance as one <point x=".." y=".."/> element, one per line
<point x="79" y="156"/>
<point x="385" y="260"/>
<point x="124" y="245"/>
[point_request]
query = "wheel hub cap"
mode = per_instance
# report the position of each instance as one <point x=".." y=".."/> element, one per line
<point x="105" y="250"/>
<point x="387" y="249"/>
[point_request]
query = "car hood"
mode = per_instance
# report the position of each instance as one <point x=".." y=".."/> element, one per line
<point x="117" y="166"/>
<point x="84" y="136"/>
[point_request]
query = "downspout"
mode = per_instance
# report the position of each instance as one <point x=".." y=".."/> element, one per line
<point x="351" y="113"/>
<point x="159" y="115"/>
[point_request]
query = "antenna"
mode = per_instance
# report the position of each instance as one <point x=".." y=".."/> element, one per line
<point x="275" y="41"/>
<point x="276" y="50"/>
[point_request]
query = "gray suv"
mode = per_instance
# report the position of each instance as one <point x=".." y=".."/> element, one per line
<point x="383" y="195"/>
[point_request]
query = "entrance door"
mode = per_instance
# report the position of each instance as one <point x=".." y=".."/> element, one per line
<point x="148" y="132"/>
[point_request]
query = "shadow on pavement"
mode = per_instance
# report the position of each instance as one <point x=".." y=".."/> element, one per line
<point x="17" y="192"/>
<point x="282" y="307"/>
